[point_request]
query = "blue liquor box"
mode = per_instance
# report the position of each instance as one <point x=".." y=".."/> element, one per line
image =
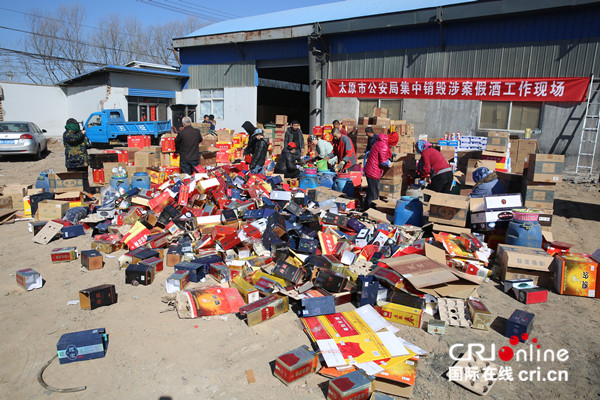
<point x="520" y="322"/>
<point x="83" y="345"/>
<point x="195" y="270"/>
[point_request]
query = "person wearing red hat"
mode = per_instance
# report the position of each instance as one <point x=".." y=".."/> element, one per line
<point x="286" y="163"/>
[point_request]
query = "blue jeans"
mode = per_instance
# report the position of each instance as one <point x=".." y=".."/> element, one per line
<point x="259" y="169"/>
<point x="187" y="167"/>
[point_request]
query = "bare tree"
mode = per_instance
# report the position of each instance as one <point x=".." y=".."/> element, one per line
<point x="57" y="44"/>
<point x="59" y="47"/>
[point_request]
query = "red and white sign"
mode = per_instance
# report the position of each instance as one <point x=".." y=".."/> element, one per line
<point x="509" y="89"/>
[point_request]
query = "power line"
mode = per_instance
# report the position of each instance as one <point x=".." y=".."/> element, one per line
<point x="174" y="8"/>
<point x="44" y="57"/>
<point x="60" y="20"/>
<point x="207" y="9"/>
<point x="73" y="41"/>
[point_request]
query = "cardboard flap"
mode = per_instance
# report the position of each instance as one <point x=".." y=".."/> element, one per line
<point x="435" y="253"/>
<point x="457" y="290"/>
<point x="450" y="229"/>
<point x="477" y="204"/>
<point x="420" y="271"/>
<point x="47" y="233"/>
<point x="7" y="216"/>
<point x="478" y="280"/>
<point x="379" y="216"/>
<point x="449" y="200"/>
<point x="67" y="195"/>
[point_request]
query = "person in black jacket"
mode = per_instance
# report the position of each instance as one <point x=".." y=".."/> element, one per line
<point x="286" y="163"/>
<point x="186" y="143"/>
<point x="294" y="134"/>
<point x="259" y="154"/>
<point x="249" y="150"/>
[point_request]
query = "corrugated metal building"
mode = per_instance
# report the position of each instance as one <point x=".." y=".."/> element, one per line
<point x="281" y="62"/>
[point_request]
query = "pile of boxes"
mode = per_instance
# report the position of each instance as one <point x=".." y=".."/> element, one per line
<point x="380" y="124"/>
<point x="543" y="173"/>
<point x="281" y="122"/>
<point x="406" y="136"/>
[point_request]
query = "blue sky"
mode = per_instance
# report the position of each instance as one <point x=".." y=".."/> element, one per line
<point x="146" y="13"/>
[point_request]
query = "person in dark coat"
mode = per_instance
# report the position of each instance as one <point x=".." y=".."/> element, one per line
<point x="294" y="134"/>
<point x="486" y="183"/>
<point x="249" y="150"/>
<point x="372" y="138"/>
<point x="186" y="143"/>
<point x="286" y="163"/>
<point x="76" y="156"/>
<point x="259" y="155"/>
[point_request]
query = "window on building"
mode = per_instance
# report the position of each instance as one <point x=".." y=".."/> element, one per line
<point x="394" y="107"/>
<point x="512" y="116"/>
<point x="147" y="108"/>
<point x="212" y="101"/>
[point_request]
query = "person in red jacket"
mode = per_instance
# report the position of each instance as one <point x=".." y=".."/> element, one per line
<point x="433" y="163"/>
<point x="343" y="149"/>
<point x="379" y="158"/>
<point x="393" y="139"/>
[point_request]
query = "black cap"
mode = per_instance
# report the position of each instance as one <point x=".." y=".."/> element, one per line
<point x="369" y="129"/>
<point x="72" y="121"/>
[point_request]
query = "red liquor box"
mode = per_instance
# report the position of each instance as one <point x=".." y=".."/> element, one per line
<point x="64" y="254"/>
<point x="292" y="366"/>
<point x="356" y="386"/>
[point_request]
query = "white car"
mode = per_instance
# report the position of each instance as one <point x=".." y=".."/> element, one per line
<point x="21" y="137"/>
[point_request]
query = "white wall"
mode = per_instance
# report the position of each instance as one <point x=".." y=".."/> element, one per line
<point x="46" y="106"/>
<point x="188" y="96"/>
<point x="117" y="99"/>
<point x="240" y="106"/>
<point x="144" y="82"/>
<point x="84" y="100"/>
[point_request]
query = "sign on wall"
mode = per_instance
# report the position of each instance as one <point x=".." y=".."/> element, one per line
<point x="489" y="89"/>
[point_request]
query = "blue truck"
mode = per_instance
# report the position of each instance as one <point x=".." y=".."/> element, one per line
<point x="109" y="127"/>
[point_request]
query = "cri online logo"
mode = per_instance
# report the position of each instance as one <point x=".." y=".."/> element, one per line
<point x="507" y="353"/>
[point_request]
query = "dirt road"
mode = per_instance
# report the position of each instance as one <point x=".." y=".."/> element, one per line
<point x="155" y="355"/>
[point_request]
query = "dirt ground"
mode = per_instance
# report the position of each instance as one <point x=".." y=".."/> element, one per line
<point x="155" y="355"/>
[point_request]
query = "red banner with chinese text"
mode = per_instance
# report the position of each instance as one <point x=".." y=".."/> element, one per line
<point x="489" y="89"/>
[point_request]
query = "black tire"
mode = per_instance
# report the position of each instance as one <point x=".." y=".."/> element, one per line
<point x="38" y="156"/>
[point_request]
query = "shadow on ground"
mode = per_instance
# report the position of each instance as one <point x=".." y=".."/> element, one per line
<point x="575" y="209"/>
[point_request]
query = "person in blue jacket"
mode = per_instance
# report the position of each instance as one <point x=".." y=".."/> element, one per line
<point x="486" y="183"/>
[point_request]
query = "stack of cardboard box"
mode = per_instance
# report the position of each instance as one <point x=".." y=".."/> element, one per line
<point x="544" y="171"/>
<point x="204" y="127"/>
<point x="498" y="149"/>
<point x="380" y="124"/>
<point x="149" y="156"/>
<point x="520" y="149"/>
<point x="225" y="153"/>
<point x="168" y="157"/>
<point x="348" y="124"/>
<point x="281" y="122"/>
<point x="406" y="136"/>
<point x="391" y="184"/>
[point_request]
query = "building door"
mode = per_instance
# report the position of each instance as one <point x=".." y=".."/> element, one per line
<point x="283" y="90"/>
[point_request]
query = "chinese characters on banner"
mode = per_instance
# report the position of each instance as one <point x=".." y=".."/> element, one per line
<point x="513" y="89"/>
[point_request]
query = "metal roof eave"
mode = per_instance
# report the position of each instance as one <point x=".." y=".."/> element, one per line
<point x="129" y="70"/>
<point x="289" y="32"/>
<point x="451" y="12"/>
